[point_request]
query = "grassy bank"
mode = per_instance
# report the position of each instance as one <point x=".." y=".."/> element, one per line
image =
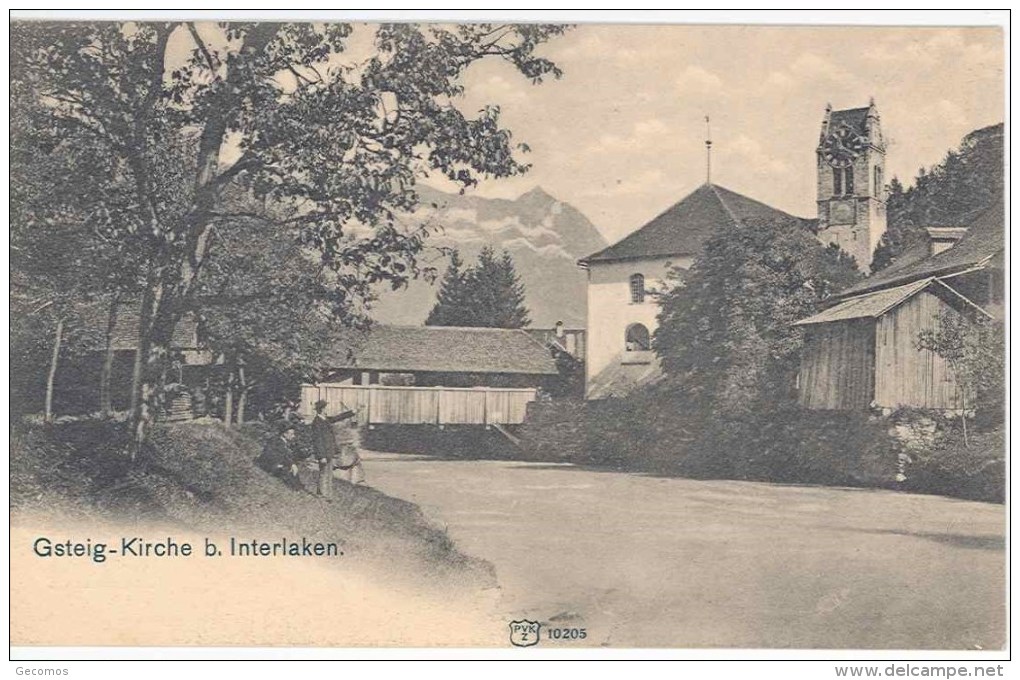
<point x="201" y="476"/>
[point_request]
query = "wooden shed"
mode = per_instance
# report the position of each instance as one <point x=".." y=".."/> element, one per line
<point x="863" y="352"/>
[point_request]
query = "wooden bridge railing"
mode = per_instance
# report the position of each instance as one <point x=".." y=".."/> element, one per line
<point x="382" y="404"/>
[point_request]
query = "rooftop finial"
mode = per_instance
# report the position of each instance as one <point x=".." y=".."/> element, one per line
<point x="708" y="151"/>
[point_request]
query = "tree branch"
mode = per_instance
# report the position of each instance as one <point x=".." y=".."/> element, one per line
<point x="201" y="46"/>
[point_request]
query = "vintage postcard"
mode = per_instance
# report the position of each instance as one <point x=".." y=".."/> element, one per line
<point x="519" y="336"/>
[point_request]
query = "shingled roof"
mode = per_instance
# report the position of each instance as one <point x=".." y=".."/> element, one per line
<point x="448" y="349"/>
<point x="683" y="228"/>
<point x="875" y="304"/>
<point x="855" y="118"/>
<point x="984" y="240"/>
<point x="95" y="317"/>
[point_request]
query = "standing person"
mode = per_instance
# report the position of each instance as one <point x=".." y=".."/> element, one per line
<point x="325" y="444"/>
<point x="349" y="465"/>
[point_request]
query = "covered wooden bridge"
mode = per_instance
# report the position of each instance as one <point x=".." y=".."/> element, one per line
<point x="436" y="375"/>
<point x="392" y="405"/>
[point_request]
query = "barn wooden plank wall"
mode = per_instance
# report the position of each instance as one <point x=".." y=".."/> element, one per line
<point x="838" y="365"/>
<point x="905" y="375"/>
<point x="381" y="404"/>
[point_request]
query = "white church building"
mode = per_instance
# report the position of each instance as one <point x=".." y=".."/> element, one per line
<point x="622" y="315"/>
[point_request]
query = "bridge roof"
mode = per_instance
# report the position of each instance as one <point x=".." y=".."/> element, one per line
<point x="447" y="349"/>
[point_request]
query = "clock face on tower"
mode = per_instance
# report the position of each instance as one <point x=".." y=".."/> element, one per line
<point x="841" y="147"/>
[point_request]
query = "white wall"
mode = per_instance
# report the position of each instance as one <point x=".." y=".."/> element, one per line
<point x="610" y="310"/>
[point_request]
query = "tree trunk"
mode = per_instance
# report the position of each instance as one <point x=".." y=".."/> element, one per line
<point x="139" y="414"/>
<point x="105" y="397"/>
<point x="141" y="352"/>
<point x="242" y="399"/>
<point x="156" y="325"/>
<point x="963" y="420"/>
<point x="51" y="378"/>
<point x="228" y="398"/>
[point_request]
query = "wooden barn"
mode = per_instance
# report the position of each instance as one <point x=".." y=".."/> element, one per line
<point x="863" y="353"/>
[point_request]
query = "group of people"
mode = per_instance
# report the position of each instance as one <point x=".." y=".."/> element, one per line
<point x="335" y="447"/>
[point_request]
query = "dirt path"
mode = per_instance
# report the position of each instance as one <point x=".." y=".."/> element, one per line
<point x="645" y="561"/>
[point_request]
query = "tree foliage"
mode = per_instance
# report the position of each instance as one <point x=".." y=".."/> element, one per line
<point x="974" y="348"/>
<point x="149" y="128"/>
<point x="489" y="294"/>
<point x="725" y="337"/>
<point x="968" y="179"/>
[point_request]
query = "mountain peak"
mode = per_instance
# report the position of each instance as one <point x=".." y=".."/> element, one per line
<point x="537" y="195"/>
<point x="545" y="236"/>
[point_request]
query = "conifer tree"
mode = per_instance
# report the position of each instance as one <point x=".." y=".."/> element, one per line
<point x="510" y="311"/>
<point x="488" y="295"/>
<point x="452" y="295"/>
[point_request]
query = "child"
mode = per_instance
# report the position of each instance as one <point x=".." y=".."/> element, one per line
<point x="349" y="465"/>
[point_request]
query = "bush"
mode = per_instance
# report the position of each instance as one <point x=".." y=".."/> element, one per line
<point x="976" y="471"/>
<point x="646" y="433"/>
<point x="624" y="434"/>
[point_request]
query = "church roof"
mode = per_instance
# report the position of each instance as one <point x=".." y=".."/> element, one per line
<point x="683" y="228"/>
<point x="984" y="239"/>
<point x="855" y="118"/>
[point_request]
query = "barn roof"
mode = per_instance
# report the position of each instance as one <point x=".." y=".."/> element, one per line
<point x="125" y="331"/>
<point x="683" y="228"/>
<point x="875" y="304"/>
<point x="96" y="317"/>
<point x="983" y="241"/>
<point x="448" y="349"/>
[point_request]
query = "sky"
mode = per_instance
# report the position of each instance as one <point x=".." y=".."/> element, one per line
<point x="621" y="135"/>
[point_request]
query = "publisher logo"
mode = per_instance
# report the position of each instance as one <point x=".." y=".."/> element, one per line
<point x="524" y="633"/>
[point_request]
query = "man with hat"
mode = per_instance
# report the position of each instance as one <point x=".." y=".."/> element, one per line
<point x="325" y="444"/>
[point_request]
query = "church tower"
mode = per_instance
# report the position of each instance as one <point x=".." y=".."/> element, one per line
<point x="851" y="181"/>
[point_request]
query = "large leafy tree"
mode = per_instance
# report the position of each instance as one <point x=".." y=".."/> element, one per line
<point x="57" y="269"/>
<point x="725" y="335"/>
<point x="968" y="179"/>
<point x="261" y="308"/>
<point x="279" y="111"/>
<point x="489" y="294"/>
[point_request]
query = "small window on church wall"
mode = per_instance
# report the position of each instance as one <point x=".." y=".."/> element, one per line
<point x="878" y="181"/>
<point x="638" y="339"/>
<point x="848" y="182"/>
<point x="637" y="288"/>
<point x="837" y="181"/>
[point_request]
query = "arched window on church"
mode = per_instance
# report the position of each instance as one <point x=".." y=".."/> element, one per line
<point x="637" y="288"/>
<point x="637" y="338"/>
<point x="877" y="193"/>
<point x="843" y="181"/>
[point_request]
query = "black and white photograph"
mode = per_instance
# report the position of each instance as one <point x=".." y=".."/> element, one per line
<point x="530" y="337"/>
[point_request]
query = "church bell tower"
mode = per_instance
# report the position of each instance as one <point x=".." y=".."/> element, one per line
<point x="851" y="182"/>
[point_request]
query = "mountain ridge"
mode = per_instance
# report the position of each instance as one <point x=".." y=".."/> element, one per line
<point x="544" y="235"/>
